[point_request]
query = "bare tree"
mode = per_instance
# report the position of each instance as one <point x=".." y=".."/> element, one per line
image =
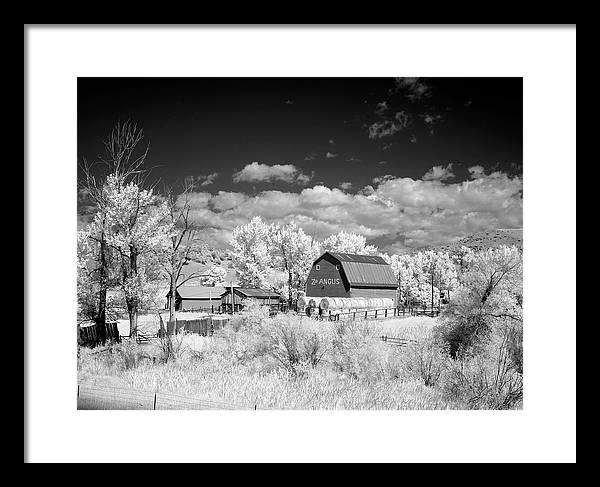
<point x="185" y="243"/>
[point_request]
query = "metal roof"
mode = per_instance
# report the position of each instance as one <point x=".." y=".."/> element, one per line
<point x="255" y="292"/>
<point x="365" y="259"/>
<point x="199" y="292"/>
<point x="365" y="270"/>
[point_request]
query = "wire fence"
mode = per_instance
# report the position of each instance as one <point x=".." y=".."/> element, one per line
<point x="115" y="398"/>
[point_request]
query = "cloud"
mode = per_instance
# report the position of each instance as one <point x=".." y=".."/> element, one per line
<point x="387" y="146"/>
<point x="386" y="128"/>
<point x="476" y="171"/>
<point x="310" y="157"/>
<point x="439" y="173"/>
<point x="202" y="180"/>
<point x="257" y="172"/>
<point x="289" y="102"/>
<point x="382" y="162"/>
<point x="413" y="139"/>
<point x="392" y="212"/>
<point x="431" y="119"/>
<point x="353" y="159"/>
<point x="381" y="107"/>
<point x="331" y="142"/>
<point x="345" y="186"/>
<point x="330" y="155"/>
<point x="414" y="89"/>
<point x="402" y="118"/>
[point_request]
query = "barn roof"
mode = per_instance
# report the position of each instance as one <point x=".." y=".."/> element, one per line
<point x="255" y="292"/>
<point x="199" y="292"/>
<point x="365" y="270"/>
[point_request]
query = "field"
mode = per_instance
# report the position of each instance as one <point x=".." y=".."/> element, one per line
<point x="287" y="362"/>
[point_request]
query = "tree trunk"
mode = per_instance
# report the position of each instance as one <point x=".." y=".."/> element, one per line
<point x="173" y="298"/>
<point x="289" y="290"/>
<point x="133" y="301"/>
<point x="101" y="316"/>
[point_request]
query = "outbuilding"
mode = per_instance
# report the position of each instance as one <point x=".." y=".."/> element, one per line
<point x="196" y="298"/>
<point x="263" y="297"/>
<point x="342" y="275"/>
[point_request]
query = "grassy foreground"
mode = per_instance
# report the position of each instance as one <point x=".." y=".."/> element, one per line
<point x="286" y="362"/>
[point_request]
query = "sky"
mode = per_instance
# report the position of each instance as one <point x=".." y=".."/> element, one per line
<point x="406" y="162"/>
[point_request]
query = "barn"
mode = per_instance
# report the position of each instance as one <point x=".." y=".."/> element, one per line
<point x="196" y="298"/>
<point x="337" y="274"/>
<point x="264" y="297"/>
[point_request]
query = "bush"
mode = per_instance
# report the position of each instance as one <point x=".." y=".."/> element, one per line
<point x="490" y="379"/>
<point x="427" y="359"/>
<point x="129" y="354"/>
<point x="297" y="344"/>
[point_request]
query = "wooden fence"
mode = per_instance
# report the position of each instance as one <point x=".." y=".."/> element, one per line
<point x="201" y="326"/>
<point x="381" y="313"/>
<point x="399" y="342"/>
<point x="96" y="334"/>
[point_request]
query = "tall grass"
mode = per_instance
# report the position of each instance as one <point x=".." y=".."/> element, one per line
<point x="291" y="361"/>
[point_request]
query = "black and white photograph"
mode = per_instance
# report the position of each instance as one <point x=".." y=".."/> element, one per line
<point x="238" y="245"/>
<point x="341" y="243"/>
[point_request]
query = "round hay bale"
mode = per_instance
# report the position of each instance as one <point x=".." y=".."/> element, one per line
<point x="312" y="303"/>
<point x="302" y="302"/>
<point x="324" y="304"/>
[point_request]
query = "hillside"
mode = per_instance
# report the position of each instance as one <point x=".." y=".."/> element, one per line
<point x="487" y="239"/>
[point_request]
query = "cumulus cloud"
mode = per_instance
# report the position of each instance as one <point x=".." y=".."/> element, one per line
<point x="345" y="186"/>
<point x="310" y="157"/>
<point x="476" y="171"/>
<point x="257" y="172"/>
<point x="439" y="173"/>
<point x="353" y="159"/>
<point x="330" y="155"/>
<point x="391" y="212"/>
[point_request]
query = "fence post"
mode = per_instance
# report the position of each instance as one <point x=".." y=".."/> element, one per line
<point x="77" y="391"/>
<point x="375" y="313"/>
<point x="385" y="316"/>
<point x="366" y="314"/>
<point x="154" y="406"/>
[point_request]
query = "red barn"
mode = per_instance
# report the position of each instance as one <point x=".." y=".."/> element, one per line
<point x="336" y="274"/>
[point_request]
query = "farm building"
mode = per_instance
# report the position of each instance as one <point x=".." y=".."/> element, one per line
<point x="351" y="276"/>
<point x="196" y="297"/>
<point x="264" y="297"/>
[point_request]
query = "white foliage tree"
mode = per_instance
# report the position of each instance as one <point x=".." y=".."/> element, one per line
<point x="295" y="251"/>
<point x="252" y="256"/>
<point x="350" y="243"/>
<point x="137" y="229"/>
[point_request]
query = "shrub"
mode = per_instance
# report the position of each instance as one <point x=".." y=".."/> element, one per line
<point x="129" y="354"/>
<point x="426" y="359"/>
<point x="490" y="379"/>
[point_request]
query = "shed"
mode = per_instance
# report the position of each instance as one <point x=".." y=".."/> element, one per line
<point x="264" y="297"/>
<point x="336" y="274"/>
<point x="196" y="297"/>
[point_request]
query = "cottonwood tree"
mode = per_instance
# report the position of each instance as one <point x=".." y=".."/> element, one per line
<point x="295" y="252"/>
<point x="138" y="227"/>
<point x="213" y="276"/>
<point x="350" y="243"/>
<point x="252" y="253"/>
<point x="490" y="295"/>
<point x="124" y="158"/>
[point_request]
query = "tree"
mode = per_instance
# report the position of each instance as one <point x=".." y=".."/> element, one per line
<point x="138" y="227"/>
<point x="350" y="243"/>
<point x="490" y="294"/>
<point x="124" y="161"/>
<point x="184" y="243"/>
<point x="213" y="276"/>
<point x="252" y="257"/>
<point x="295" y="253"/>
